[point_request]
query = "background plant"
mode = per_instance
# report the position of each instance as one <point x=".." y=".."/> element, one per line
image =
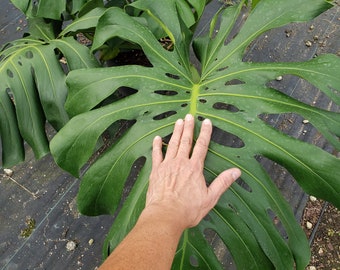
<point x="140" y="102"/>
<point x="33" y="69"/>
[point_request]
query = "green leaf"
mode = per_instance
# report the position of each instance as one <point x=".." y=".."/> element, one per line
<point x="40" y="29"/>
<point x="155" y="97"/>
<point x="84" y="6"/>
<point x="31" y="73"/>
<point x="48" y="8"/>
<point x="22" y="5"/>
<point x="87" y="21"/>
<point x="12" y="146"/>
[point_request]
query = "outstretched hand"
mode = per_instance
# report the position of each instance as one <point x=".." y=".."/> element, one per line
<point x="177" y="198"/>
<point x="177" y="185"/>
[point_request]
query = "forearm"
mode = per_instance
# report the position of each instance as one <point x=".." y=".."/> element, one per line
<point x="151" y="244"/>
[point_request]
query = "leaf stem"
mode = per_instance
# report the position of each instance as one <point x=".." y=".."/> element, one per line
<point x="193" y="99"/>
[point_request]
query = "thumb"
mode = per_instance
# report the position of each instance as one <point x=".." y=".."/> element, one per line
<point x="222" y="183"/>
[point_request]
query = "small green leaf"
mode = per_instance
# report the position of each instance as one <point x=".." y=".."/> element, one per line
<point x="88" y="21"/>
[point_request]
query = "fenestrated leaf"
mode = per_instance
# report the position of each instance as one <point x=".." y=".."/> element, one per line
<point x="30" y="72"/>
<point x="169" y="90"/>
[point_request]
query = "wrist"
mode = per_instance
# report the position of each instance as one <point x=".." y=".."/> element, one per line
<point x="168" y="217"/>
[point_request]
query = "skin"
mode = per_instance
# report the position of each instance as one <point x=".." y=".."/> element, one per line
<point x="177" y="198"/>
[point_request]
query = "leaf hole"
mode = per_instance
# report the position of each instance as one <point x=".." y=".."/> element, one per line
<point x="225" y="106"/>
<point x="194" y="261"/>
<point x="109" y="249"/>
<point x="134" y="173"/>
<point x="29" y="55"/>
<point x="110" y="136"/>
<point x="202" y="100"/>
<point x="166" y="92"/>
<point x="44" y="43"/>
<point x="285" y="182"/>
<point x="172" y="76"/>
<point x="220" y="249"/>
<point x="233" y="208"/>
<point x="225" y="138"/>
<point x="234" y="82"/>
<point x="130" y="57"/>
<point x="184" y="105"/>
<point x="120" y="93"/>
<point x="277" y="223"/>
<point x="223" y="68"/>
<point x="305" y="92"/>
<point x="10" y="94"/>
<point x="164" y="115"/>
<point x="244" y="185"/>
<point x="10" y="73"/>
<point x="19" y="63"/>
<point x="298" y="127"/>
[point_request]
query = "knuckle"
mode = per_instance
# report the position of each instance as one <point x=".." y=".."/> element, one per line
<point x="174" y="142"/>
<point x="186" y="141"/>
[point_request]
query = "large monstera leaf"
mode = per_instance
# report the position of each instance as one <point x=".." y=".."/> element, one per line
<point x="33" y="89"/>
<point x="233" y="94"/>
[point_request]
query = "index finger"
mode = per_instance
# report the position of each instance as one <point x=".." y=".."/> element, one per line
<point x="201" y="147"/>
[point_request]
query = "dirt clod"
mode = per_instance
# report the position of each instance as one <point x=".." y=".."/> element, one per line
<point x="71" y="245"/>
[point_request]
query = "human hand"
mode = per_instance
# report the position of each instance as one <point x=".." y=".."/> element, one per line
<point x="177" y="185"/>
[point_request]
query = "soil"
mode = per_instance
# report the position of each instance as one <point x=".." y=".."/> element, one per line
<point x="321" y="222"/>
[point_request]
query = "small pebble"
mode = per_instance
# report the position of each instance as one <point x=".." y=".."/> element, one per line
<point x="71" y="245"/>
<point x="311" y="268"/>
<point x="312" y="198"/>
<point x="308" y="43"/>
<point x="309" y="225"/>
<point x="305" y="121"/>
<point x="8" y="172"/>
<point x="279" y="78"/>
<point x="91" y="241"/>
<point x="320" y="251"/>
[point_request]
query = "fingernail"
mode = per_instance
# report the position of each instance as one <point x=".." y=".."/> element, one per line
<point x="235" y="174"/>
<point x="157" y="138"/>
<point x="179" y="122"/>
<point x="188" y="117"/>
<point x="206" y="121"/>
